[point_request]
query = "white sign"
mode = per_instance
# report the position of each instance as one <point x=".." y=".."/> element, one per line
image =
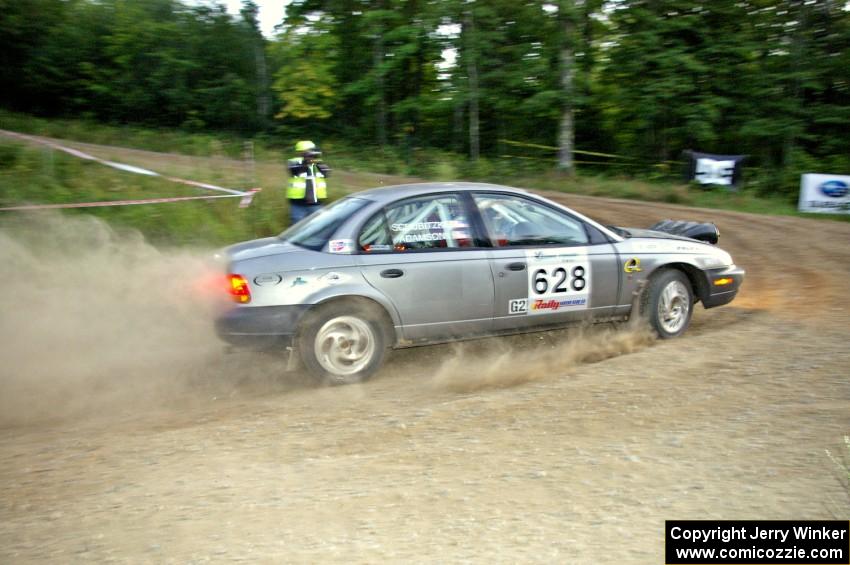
<point x="558" y="280"/>
<point x="709" y="171"/>
<point x="825" y="193"/>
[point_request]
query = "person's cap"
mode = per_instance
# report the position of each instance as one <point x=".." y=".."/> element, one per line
<point x="303" y="146"/>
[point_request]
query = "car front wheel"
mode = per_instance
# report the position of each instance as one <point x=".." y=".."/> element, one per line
<point x="343" y="344"/>
<point x="668" y="303"/>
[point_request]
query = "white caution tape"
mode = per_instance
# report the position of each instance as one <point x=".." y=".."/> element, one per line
<point x="245" y="195"/>
<point x="246" y="200"/>
<point x="207" y="186"/>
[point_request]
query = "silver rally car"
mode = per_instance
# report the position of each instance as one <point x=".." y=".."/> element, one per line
<point x="426" y="263"/>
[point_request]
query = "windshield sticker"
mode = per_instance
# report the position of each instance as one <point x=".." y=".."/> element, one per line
<point x="558" y="280"/>
<point x="341" y="245"/>
<point x="428" y="225"/>
<point x="377" y="247"/>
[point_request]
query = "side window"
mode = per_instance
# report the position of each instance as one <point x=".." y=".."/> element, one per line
<point x="375" y="236"/>
<point x="429" y="222"/>
<point x="513" y="220"/>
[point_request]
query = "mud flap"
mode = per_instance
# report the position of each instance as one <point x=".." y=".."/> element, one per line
<point x="292" y="361"/>
<point x="637" y="294"/>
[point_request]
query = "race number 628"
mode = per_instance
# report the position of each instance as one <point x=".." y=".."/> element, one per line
<point x="559" y="280"/>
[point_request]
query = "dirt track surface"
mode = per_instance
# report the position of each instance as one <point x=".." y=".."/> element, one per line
<point x="567" y="449"/>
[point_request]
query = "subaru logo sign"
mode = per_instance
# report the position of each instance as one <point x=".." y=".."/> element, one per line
<point x="834" y="188"/>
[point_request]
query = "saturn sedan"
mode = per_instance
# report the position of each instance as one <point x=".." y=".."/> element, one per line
<point x="420" y="264"/>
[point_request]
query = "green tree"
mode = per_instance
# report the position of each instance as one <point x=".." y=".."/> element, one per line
<point x="25" y="76"/>
<point x="250" y="12"/>
<point x="305" y="84"/>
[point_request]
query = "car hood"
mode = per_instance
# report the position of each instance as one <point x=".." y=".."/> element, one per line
<point x="259" y="248"/>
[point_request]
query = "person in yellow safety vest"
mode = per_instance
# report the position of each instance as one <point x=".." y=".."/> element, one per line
<point x="307" y="185"/>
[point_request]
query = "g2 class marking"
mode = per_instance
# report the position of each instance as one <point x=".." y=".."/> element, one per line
<point x="518" y="306"/>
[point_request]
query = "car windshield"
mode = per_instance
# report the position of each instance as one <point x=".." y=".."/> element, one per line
<point x="314" y="231"/>
<point x="622" y="232"/>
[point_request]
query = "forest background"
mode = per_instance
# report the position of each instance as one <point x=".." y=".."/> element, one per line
<point x="447" y="89"/>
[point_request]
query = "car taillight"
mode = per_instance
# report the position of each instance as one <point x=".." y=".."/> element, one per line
<point x="238" y="288"/>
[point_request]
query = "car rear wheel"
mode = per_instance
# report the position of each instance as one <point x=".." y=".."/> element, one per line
<point x="668" y="303"/>
<point x="343" y="343"/>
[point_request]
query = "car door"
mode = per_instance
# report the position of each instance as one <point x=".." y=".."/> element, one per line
<point x="423" y="255"/>
<point x="548" y="267"/>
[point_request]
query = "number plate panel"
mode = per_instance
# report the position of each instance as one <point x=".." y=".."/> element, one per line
<point x="559" y="280"/>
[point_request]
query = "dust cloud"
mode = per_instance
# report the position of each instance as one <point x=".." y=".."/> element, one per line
<point x="535" y="357"/>
<point x="95" y="322"/>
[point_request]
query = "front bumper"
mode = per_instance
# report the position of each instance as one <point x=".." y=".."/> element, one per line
<point x="260" y="326"/>
<point x="722" y="285"/>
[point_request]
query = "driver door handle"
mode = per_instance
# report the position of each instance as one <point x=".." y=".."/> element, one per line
<point x="392" y="273"/>
<point x="516" y="266"/>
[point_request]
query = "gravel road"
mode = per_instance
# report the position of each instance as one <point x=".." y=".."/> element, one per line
<point x="568" y="447"/>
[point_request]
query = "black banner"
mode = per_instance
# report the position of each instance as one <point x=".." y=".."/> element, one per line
<point x="761" y="542"/>
<point x="708" y="169"/>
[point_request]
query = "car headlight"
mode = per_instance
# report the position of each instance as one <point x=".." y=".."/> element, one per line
<point x="721" y="259"/>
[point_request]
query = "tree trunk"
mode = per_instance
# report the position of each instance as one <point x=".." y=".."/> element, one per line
<point x="566" y="134"/>
<point x="468" y="30"/>
<point x="249" y="14"/>
<point x="377" y="63"/>
<point x="798" y="49"/>
<point x="458" y="126"/>
<point x="263" y="102"/>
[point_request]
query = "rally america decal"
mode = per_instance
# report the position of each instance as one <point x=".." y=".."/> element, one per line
<point x="558" y="280"/>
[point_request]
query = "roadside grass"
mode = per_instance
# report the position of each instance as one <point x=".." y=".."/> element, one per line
<point x="30" y="174"/>
<point x="660" y="191"/>
<point x="43" y="176"/>
<point x="34" y="174"/>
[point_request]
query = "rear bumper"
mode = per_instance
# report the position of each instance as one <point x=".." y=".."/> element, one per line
<point x="260" y="326"/>
<point x="722" y="285"/>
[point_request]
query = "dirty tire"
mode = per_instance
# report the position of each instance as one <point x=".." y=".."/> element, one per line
<point x="343" y="343"/>
<point x="668" y="303"/>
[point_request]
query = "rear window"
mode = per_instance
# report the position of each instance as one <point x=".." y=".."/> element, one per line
<point x="313" y="232"/>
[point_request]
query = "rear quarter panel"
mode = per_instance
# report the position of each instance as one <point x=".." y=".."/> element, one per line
<point x="306" y="278"/>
